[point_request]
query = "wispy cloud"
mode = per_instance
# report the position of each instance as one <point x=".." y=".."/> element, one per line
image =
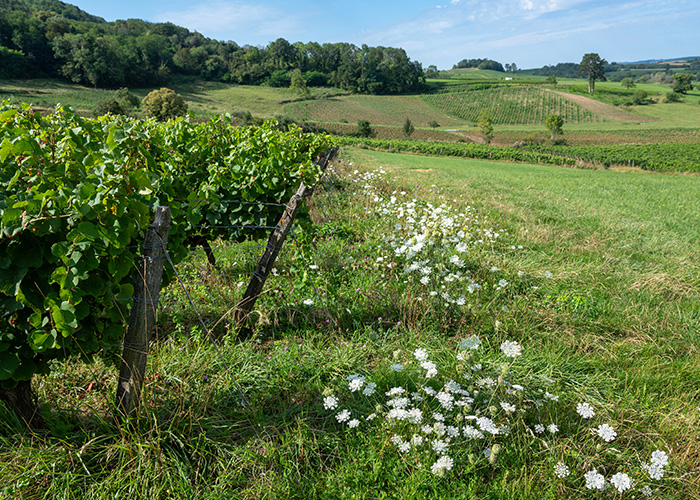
<point x="229" y="17"/>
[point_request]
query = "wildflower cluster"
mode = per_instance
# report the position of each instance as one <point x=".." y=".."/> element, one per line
<point x="431" y="245"/>
<point x="432" y="414"/>
<point x="470" y="408"/>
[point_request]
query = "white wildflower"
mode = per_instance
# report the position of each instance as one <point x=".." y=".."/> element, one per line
<point x="551" y="397"/>
<point x="511" y="349"/>
<point x="430" y="367"/>
<point x="655" y="471"/>
<point x="420" y="354"/>
<point x="356" y="384"/>
<point x="443" y="464"/>
<point x="343" y="416"/>
<point x="606" y="432"/>
<point x="330" y="402"/>
<point x="594" y="480"/>
<point x="508" y="407"/>
<point x="369" y="389"/>
<point x="353" y="423"/>
<point x="659" y="458"/>
<point x="439" y="446"/>
<point x="397" y="367"/>
<point x="472" y="342"/>
<point x="472" y="432"/>
<point x="621" y="481"/>
<point x="553" y="428"/>
<point x="585" y="410"/>
<point x="561" y="470"/>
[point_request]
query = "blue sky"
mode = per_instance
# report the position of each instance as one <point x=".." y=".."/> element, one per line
<point x="529" y="33"/>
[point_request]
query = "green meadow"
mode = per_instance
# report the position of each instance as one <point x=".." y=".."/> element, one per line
<point x="594" y="273"/>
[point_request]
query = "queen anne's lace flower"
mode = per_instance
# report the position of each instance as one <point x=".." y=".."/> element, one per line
<point x="420" y="354"/>
<point x="659" y="458"/>
<point x="606" y="432"/>
<point x="594" y="480"/>
<point x="472" y="342"/>
<point x="585" y="410"/>
<point x="330" y="402"/>
<point x="507" y="407"/>
<point x="621" y="481"/>
<point x="561" y="470"/>
<point x="369" y="389"/>
<point x="439" y="446"/>
<point x="551" y="397"/>
<point x="511" y="349"/>
<point x="343" y="416"/>
<point x="430" y="367"/>
<point x="655" y="471"/>
<point x="444" y="463"/>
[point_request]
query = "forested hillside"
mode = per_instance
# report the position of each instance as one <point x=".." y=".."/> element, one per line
<point x="52" y="38"/>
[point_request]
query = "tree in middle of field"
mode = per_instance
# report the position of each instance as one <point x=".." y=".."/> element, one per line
<point x="592" y="67"/>
<point x="683" y="82"/>
<point x="485" y="125"/>
<point x="554" y="124"/>
<point x="408" y="128"/>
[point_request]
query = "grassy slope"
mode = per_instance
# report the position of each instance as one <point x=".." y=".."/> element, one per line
<point x="623" y="245"/>
<point x="622" y="241"/>
<point x="207" y="98"/>
<point x="204" y="99"/>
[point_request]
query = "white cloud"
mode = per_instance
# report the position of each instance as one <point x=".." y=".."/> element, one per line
<point x="229" y="17"/>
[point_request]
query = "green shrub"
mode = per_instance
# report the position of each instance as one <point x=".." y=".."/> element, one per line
<point x="673" y="97"/>
<point x="364" y="129"/>
<point x="108" y="107"/>
<point x="164" y="104"/>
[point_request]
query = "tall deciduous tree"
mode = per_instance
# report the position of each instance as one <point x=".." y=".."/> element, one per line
<point x="683" y="82"/>
<point x="298" y="83"/>
<point x="592" y="67"/>
<point x="628" y="83"/>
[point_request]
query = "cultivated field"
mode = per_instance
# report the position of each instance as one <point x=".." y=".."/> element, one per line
<point x="512" y="105"/>
<point x="379" y="110"/>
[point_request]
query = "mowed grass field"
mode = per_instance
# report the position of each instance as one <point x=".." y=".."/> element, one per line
<point x="602" y="280"/>
<point x="204" y="99"/>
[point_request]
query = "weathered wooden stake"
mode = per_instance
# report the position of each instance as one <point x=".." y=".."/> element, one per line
<point x="274" y="244"/>
<point x="138" y="333"/>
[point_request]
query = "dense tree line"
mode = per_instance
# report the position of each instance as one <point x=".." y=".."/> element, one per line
<point x="51" y="38"/>
<point x="479" y="64"/>
<point x="617" y="71"/>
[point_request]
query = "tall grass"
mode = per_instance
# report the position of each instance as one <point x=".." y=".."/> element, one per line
<point x="602" y="279"/>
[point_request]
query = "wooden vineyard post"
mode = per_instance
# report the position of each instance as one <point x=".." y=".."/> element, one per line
<point x="274" y="244"/>
<point x="142" y="319"/>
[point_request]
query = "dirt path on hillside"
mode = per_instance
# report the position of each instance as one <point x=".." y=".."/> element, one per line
<point x="605" y="110"/>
